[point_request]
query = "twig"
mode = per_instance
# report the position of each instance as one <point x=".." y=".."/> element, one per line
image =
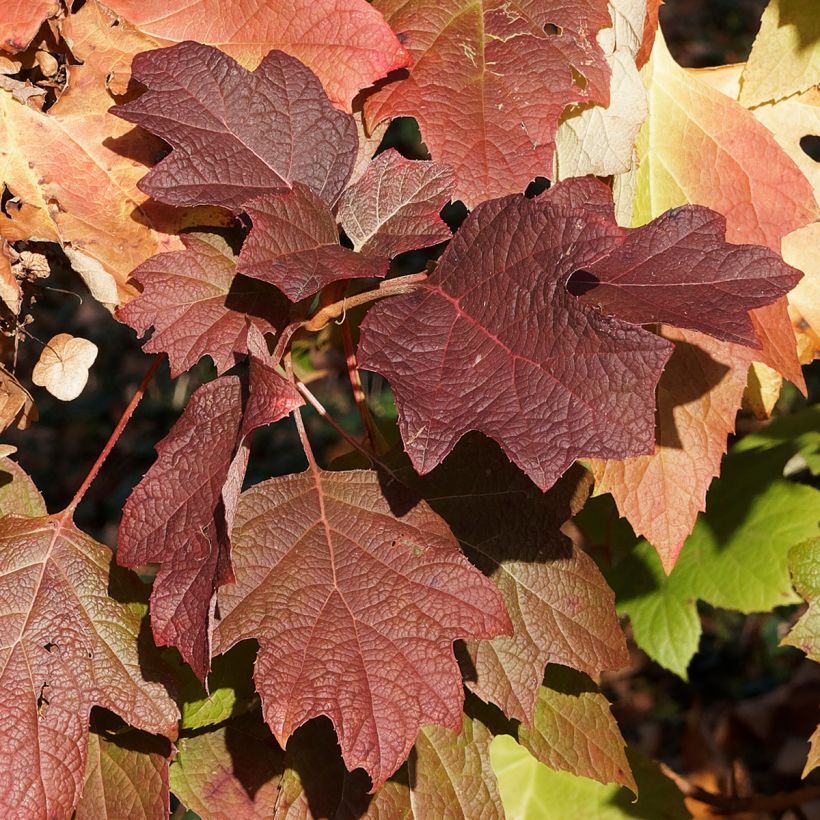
<point x="357" y="445"/>
<point x="300" y="424"/>
<point x="392" y="287"/>
<point x="730" y="804"/>
<point x="112" y="440"/>
<point x="370" y="431"/>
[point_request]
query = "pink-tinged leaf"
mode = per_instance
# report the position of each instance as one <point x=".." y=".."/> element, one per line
<point x="494" y="342"/>
<point x="346" y="43"/>
<point x="395" y="205"/>
<point x="698" y="397"/>
<point x="680" y="270"/>
<point x="561" y="608"/>
<point x="294" y="245"/>
<point x="489" y="82"/>
<point x="65" y="645"/>
<point x="198" y="306"/>
<point x="573" y="730"/>
<point x="355" y="593"/>
<point x="126" y="776"/>
<point x="184" y="524"/>
<point x="238" y="134"/>
<point x="175" y="523"/>
<point x="20" y="21"/>
<point x="751" y="181"/>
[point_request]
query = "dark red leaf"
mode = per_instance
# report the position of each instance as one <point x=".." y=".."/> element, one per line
<point x="180" y="514"/>
<point x="489" y="82"/>
<point x="394" y="207"/>
<point x="198" y="306"/>
<point x="355" y="594"/>
<point x="238" y="134"/>
<point x="294" y="245"/>
<point x="680" y="270"/>
<point x="494" y="342"/>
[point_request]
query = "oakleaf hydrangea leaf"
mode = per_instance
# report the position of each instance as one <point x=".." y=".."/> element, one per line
<point x="65" y="645"/>
<point x="237" y="134"/>
<point x="294" y="245"/>
<point x="355" y="592"/>
<point x="493" y="341"/>
<point x="489" y="82"/>
<point x="198" y="306"/>
<point x="184" y="525"/>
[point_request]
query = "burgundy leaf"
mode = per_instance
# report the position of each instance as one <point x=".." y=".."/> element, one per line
<point x="395" y="205"/>
<point x="355" y="594"/>
<point x="294" y="245"/>
<point x="178" y="515"/>
<point x="237" y="134"/>
<point x="561" y="608"/>
<point x="494" y="342"/>
<point x="66" y="644"/>
<point x="198" y="306"/>
<point x="680" y="270"/>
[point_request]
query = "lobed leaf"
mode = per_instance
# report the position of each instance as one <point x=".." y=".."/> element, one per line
<point x="184" y="525"/>
<point x="198" y="305"/>
<point x="489" y="82"/>
<point x="493" y="341"/>
<point x="394" y="206"/>
<point x="355" y="593"/>
<point x="238" y="134"/>
<point x="67" y="645"/>
<point x="294" y="245"/>
<point x="561" y="608"/>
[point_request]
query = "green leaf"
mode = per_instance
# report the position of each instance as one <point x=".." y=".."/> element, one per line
<point x="737" y="555"/>
<point x="804" y="563"/>
<point x="230" y="685"/>
<point x="573" y="729"/>
<point x="530" y="790"/>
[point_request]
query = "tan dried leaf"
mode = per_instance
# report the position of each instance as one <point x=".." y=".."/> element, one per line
<point x="63" y="366"/>
<point x="16" y="405"/>
<point x="10" y="293"/>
